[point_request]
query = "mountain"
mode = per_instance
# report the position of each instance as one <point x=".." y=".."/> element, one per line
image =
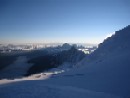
<point x="103" y="74"/>
<point x="119" y="43"/>
<point x="43" y="63"/>
<point x="106" y="70"/>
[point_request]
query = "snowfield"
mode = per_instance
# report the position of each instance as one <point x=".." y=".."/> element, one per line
<point x="37" y="89"/>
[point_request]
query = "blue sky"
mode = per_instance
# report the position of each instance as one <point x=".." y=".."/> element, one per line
<point x="79" y="21"/>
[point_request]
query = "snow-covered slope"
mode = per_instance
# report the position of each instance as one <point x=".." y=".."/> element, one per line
<point x="106" y="70"/>
<point x="37" y="89"/>
<point x="119" y="43"/>
<point x="103" y="74"/>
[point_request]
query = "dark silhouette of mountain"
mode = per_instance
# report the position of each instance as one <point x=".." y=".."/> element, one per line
<point x="6" y="60"/>
<point x="47" y="62"/>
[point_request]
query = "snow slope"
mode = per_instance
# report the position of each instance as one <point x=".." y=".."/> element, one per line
<point x="38" y="89"/>
<point x="103" y="74"/>
<point x="105" y="70"/>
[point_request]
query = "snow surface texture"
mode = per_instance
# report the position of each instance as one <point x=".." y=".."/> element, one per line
<point x="103" y="74"/>
<point x="36" y="89"/>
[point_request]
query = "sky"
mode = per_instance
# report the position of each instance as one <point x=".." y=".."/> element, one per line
<point x="59" y="21"/>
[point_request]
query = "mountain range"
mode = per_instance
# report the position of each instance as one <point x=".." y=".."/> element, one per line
<point x="102" y="74"/>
